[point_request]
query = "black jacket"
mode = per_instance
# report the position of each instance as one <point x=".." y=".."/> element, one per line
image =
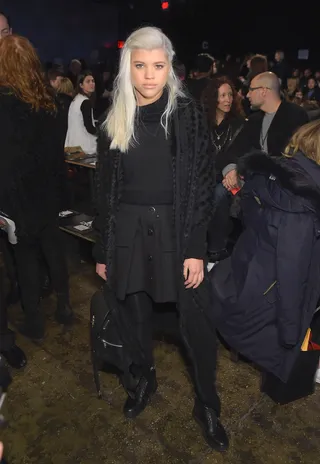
<point x="63" y="101"/>
<point x="193" y="179"/>
<point x="236" y="125"/>
<point x="282" y="71"/>
<point x="268" y="290"/>
<point x="288" y="118"/>
<point x="32" y="169"/>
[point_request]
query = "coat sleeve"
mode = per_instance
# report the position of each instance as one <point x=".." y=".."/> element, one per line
<point x="204" y="204"/>
<point x="240" y="146"/>
<point x="101" y="201"/>
<point x="294" y="253"/>
<point x="14" y="148"/>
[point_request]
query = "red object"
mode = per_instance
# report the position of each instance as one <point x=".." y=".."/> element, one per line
<point x="312" y="346"/>
<point x="235" y="190"/>
<point x="165" y="5"/>
<point x="120" y="43"/>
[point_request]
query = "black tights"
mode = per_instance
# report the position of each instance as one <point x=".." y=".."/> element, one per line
<point x="198" y="337"/>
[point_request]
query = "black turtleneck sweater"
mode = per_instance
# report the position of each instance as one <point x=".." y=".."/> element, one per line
<point x="147" y="166"/>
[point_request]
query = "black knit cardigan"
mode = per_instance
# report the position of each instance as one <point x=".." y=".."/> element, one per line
<point x="194" y="180"/>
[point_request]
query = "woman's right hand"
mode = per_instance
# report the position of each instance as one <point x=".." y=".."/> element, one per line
<point x="101" y="270"/>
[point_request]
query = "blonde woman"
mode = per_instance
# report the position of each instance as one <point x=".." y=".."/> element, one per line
<point x="155" y="185"/>
<point x="65" y="87"/>
<point x="269" y="289"/>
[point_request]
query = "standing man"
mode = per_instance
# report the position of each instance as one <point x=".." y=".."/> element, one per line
<point x="280" y="68"/>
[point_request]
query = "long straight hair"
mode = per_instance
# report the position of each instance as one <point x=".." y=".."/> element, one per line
<point x="120" y="122"/>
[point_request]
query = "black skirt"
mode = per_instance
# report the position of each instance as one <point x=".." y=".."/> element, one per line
<point x="145" y="252"/>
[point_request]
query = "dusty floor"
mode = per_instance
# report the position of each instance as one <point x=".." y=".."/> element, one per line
<point x="55" y="416"/>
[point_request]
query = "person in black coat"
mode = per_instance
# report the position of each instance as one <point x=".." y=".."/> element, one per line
<point x="226" y="120"/>
<point x="32" y="178"/>
<point x="203" y="71"/>
<point x="64" y="97"/>
<point x="270" y="128"/>
<point x="280" y="68"/>
<point x="155" y="179"/>
<point x="268" y="290"/>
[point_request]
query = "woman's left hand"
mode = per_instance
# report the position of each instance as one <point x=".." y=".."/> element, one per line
<point x="193" y="272"/>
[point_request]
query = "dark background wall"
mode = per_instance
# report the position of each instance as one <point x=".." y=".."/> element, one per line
<point x="73" y="28"/>
<point x="64" y="28"/>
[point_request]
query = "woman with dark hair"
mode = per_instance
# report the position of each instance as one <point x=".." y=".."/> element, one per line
<point x="32" y="178"/>
<point x="226" y="119"/>
<point x="81" y="124"/>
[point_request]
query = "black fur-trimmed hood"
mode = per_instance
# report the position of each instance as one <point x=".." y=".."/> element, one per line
<point x="298" y="175"/>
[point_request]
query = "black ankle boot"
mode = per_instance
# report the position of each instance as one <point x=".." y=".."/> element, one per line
<point x="138" y="401"/>
<point x="15" y="357"/>
<point x="212" y="429"/>
<point x="64" y="314"/>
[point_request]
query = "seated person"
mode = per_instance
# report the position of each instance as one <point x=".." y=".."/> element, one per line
<point x="226" y="120"/>
<point x="81" y="124"/>
<point x="266" y="293"/>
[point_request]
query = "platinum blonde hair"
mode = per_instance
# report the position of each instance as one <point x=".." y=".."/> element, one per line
<point x="120" y="122"/>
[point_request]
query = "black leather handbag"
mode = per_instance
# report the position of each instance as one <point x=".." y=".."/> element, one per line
<point x="112" y="342"/>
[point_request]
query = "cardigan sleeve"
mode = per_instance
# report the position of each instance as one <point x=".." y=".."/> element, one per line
<point x="204" y="204"/>
<point x="101" y="201"/>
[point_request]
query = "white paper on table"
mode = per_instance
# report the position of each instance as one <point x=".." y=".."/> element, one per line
<point x="65" y="213"/>
<point x="81" y="228"/>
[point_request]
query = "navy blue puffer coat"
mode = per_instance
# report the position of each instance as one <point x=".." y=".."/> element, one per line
<point x="265" y="294"/>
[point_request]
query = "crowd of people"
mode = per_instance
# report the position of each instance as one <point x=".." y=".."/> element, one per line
<point x="175" y="154"/>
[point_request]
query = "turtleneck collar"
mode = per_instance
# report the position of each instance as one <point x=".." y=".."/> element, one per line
<point x="154" y="111"/>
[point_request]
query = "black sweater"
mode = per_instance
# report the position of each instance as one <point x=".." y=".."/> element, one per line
<point x="86" y="110"/>
<point x="193" y="179"/>
<point x="147" y="166"/>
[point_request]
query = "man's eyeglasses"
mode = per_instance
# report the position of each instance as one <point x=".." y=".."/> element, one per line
<point x="251" y="89"/>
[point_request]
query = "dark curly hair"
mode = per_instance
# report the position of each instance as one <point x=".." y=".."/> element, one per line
<point x="210" y="98"/>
